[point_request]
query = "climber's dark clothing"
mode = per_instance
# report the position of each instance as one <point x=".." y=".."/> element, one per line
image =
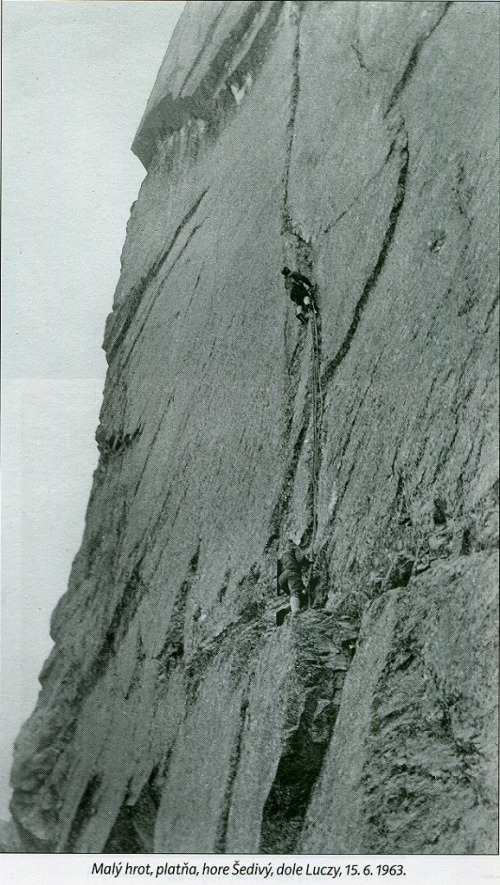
<point x="299" y="287"/>
<point x="301" y="292"/>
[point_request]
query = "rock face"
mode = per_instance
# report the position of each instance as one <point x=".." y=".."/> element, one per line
<point x="355" y="142"/>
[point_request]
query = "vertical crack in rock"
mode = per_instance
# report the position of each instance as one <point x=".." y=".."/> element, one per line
<point x="317" y="418"/>
<point x="362" y="193"/>
<point x="313" y="697"/>
<point x="413" y="60"/>
<point x="288" y="799"/>
<point x="86" y="809"/>
<point x="301" y="251"/>
<point x="371" y="282"/>
<point x="280" y="508"/>
<point x="295" y="15"/>
<point x="133" y="830"/>
<point x="173" y="646"/>
<point x="222" y="824"/>
<point x="125" y="609"/>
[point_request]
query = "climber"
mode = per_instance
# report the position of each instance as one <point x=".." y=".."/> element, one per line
<point x="290" y="580"/>
<point x="301" y="292"/>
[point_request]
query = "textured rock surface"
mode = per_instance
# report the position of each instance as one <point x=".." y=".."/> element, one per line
<point x="357" y="142"/>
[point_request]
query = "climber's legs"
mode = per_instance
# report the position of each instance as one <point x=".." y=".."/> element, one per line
<point x="294" y="604"/>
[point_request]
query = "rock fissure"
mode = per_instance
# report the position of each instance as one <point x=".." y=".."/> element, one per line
<point x="288" y="227"/>
<point x="319" y="671"/>
<point x="222" y="824"/>
<point x="86" y="809"/>
<point x="295" y="242"/>
<point x="133" y="829"/>
<point x="372" y="280"/>
<point x="414" y="58"/>
<point x="362" y="193"/>
<point x="280" y="510"/>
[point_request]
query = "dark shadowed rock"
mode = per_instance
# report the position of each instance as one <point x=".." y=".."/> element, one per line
<point x="9" y="840"/>
<point x="356" y="143"/>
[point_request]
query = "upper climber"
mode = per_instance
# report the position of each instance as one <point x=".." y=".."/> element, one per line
<point x="301" y="292"/>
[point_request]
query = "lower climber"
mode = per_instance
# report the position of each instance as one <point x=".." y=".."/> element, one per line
<point x="290" y="580"/>
<point x="301" y="292"/>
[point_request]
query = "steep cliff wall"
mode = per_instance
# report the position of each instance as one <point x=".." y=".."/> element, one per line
<point x="356" y="142"/>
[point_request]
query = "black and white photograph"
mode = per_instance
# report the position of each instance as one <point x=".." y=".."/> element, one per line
<point x="250" y="284"/>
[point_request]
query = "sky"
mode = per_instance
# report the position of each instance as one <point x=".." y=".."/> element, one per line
<point x="76" y="78"/>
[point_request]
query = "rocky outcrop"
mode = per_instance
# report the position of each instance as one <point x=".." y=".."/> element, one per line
<point x="356" y="143"/>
